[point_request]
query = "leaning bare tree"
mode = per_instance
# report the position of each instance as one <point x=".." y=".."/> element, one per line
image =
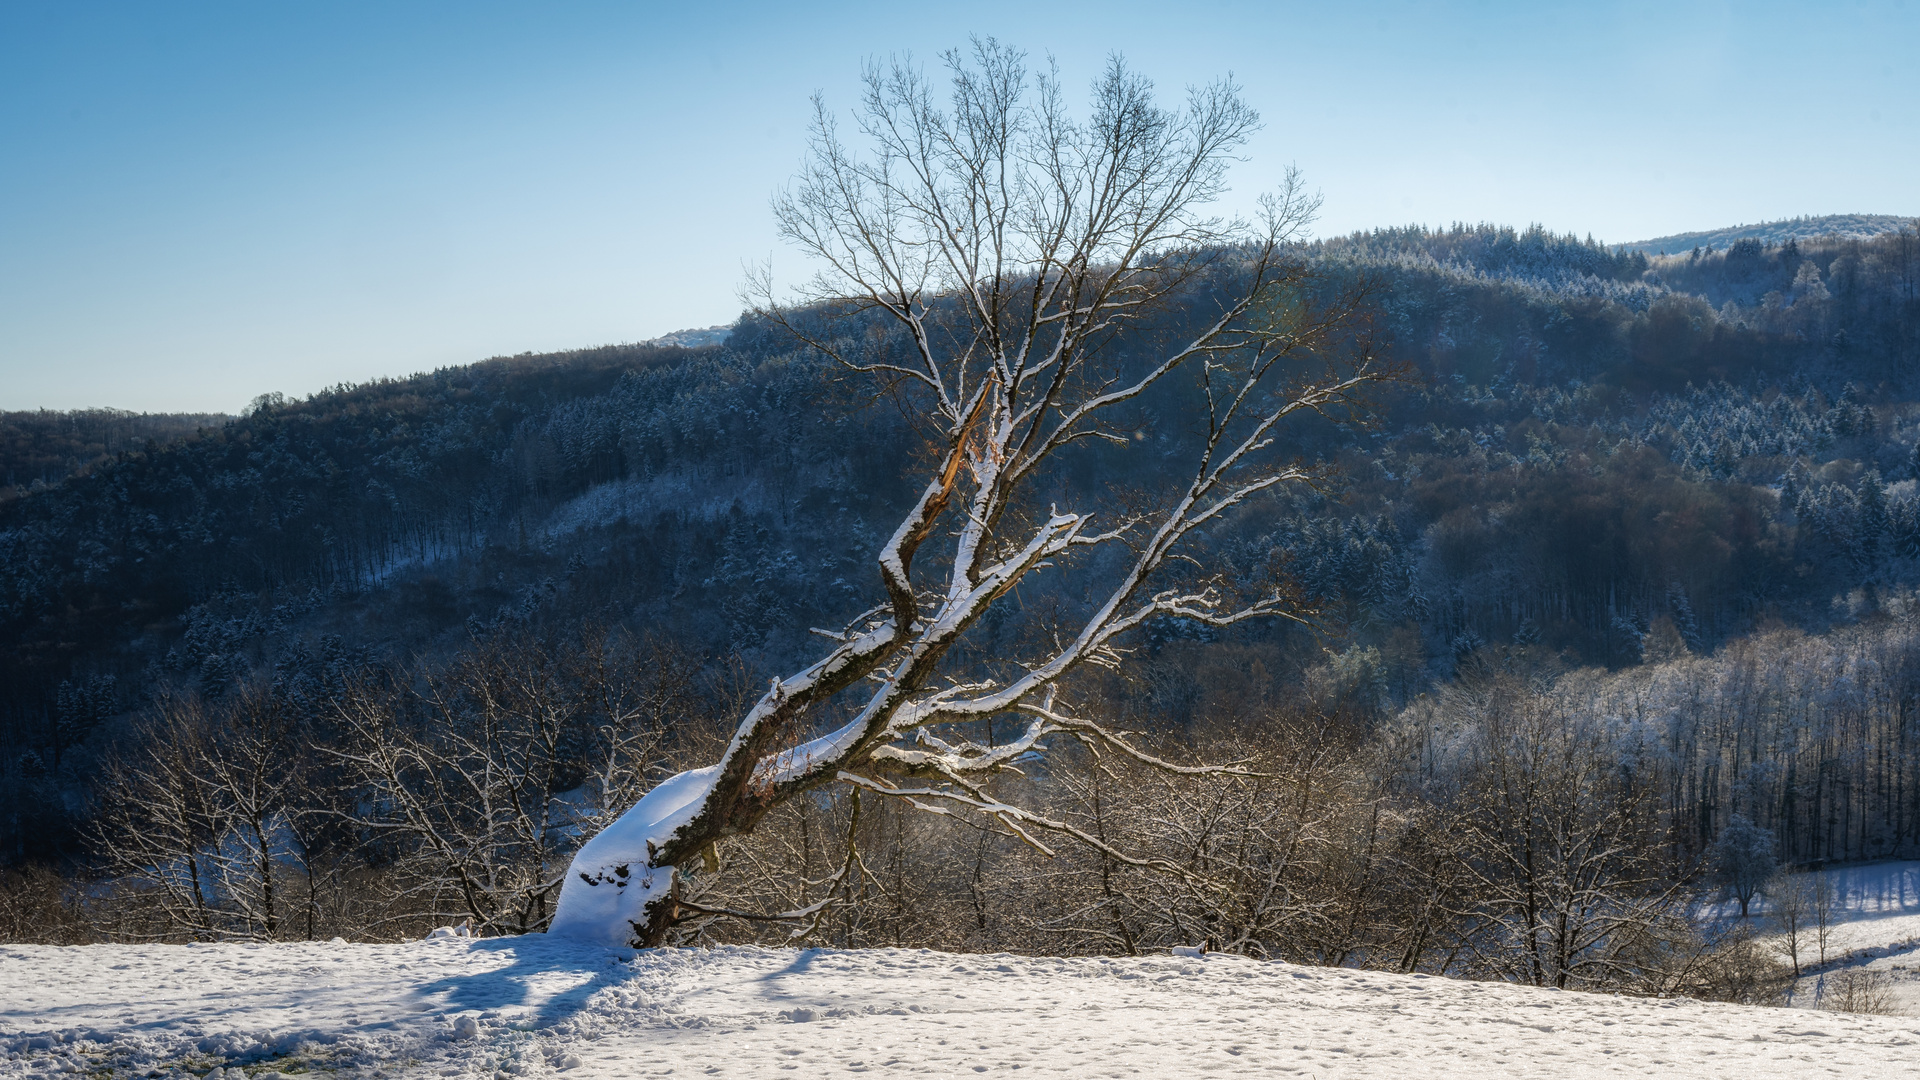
<point x="1023" y="260"/>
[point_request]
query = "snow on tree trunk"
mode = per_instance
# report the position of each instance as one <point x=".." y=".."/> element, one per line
<point x="612" y="883"/>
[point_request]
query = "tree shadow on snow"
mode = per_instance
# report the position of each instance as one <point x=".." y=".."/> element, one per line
<point x="551" y="979"/>
<point x="802" y="960"/>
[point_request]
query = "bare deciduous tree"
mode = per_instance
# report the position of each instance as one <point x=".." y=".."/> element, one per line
<point x="1827" y="911"/>
<point x="1858" y="990"/>
<point x="480" y="781"/>
<point x="1556" y="829"/>
<point x="983" y="262"/>
<point x="1790" y="902"/>
<point x="1278" y="861"/>
<point x="208" y="821"/>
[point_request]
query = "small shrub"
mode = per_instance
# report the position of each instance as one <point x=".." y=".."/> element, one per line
<point x="1858" y="991"/>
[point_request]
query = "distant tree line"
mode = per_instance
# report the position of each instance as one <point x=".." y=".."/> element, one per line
<point x="41" y="448"/>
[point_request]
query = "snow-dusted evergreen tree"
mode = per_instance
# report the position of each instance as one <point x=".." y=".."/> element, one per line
<point x="1683" y="618"/>
<point x="1011" y="273"/>
<point x="1871" y="497"/>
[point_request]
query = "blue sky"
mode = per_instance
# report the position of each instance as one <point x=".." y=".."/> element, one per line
<point x="202" y="202"/>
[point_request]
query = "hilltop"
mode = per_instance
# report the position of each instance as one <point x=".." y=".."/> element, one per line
<point x="1846" y="226"/>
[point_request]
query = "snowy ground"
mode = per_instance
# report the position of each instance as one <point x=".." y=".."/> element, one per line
<point x="1877" y="929"/>
<point x="537" y="1006"/>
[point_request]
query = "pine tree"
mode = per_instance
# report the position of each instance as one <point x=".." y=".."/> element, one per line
<point x="1795" y="482"/>
<point x="1684" y="621"/>
<point x="1903" y="527"/>
<point x="1663" y="643"/>
<point x="1872" y="497"/>
<point x="1808" y="285"/>
<point x="79" y="706"/>
<point x="216" y="677"/>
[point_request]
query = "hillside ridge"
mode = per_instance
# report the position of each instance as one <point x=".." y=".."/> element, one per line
<point x="1852" y="226"/>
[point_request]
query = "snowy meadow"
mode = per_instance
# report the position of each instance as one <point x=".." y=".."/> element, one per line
<point x="538" y="1006"/>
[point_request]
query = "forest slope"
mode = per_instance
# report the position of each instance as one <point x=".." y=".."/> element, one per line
<point x="1848" y="226"/>
<point x="41" y="448"/>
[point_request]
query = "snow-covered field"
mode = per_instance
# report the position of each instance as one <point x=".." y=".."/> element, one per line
<point x="537" y="1006"/>
<point x="1876" y="929"/>
<point x="1879" y="904"/>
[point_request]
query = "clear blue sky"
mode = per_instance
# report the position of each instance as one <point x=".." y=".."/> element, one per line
<point x="201" y="202"/>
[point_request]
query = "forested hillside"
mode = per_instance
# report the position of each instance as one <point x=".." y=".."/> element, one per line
<point x="1775" y="233"/>
<point x="1667" y="503"/>
<point x="39" y="449"/>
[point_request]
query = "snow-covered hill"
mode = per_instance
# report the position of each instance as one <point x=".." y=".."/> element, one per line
<point x="695" y="338"/>
<point x="1857" y="226"/>
<point x="536" y="1006"/>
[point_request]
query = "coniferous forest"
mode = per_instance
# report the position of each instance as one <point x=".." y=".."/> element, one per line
<point x="1616" y="599"/>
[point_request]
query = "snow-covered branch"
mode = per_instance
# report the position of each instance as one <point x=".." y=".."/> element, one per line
<point x="1010" y="247"/>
